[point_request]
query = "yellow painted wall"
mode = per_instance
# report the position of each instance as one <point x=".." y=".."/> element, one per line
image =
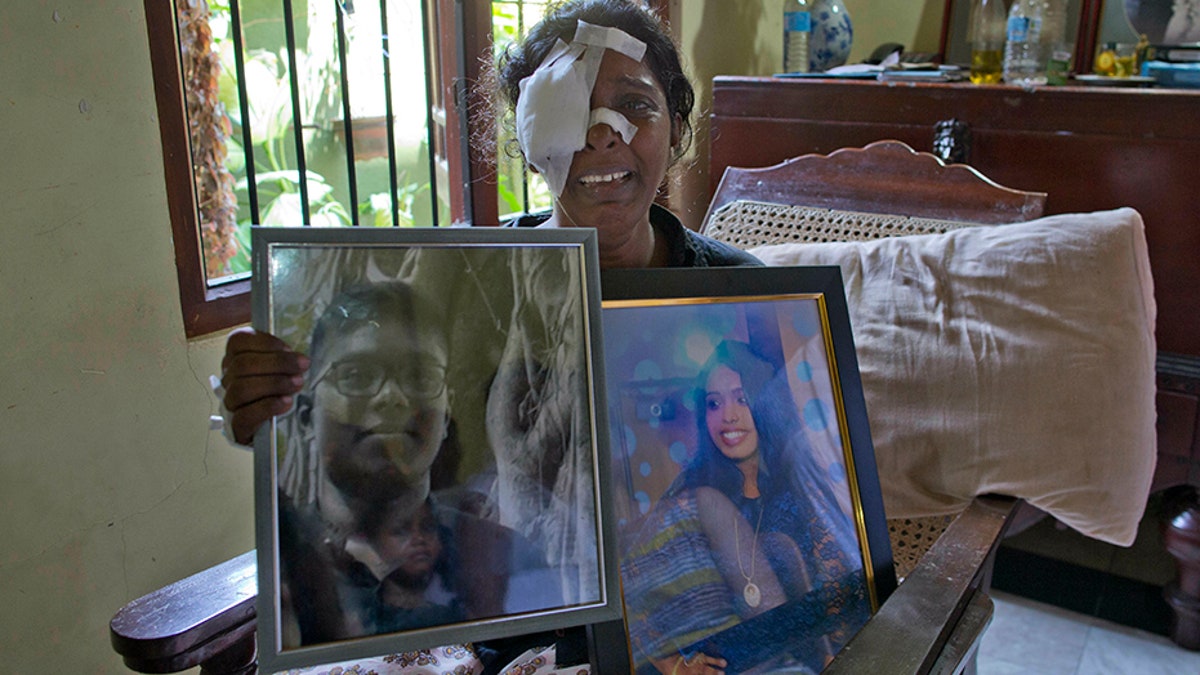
<point x="111" y="483"/>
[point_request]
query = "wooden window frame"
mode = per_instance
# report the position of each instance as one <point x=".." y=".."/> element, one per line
<point x="205" y="310"/>
<point x="208" y="309"/>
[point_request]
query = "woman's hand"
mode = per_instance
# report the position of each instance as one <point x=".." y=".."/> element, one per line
<point x="260" y="375"/>
<point x="696" y="664"/>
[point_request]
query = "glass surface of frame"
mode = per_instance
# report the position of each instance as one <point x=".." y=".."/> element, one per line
<point x="437" y="480"/>
<point x="749" y="516"/>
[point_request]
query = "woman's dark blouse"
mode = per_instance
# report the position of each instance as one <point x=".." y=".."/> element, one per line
<point x="685" y="247"/>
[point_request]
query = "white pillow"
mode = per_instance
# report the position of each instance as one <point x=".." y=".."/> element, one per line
<point x="1014" y="359"/>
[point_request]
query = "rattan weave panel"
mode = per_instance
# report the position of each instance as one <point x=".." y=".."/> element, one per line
<point x="912" y="537"/>
<point x="747" y="224"/>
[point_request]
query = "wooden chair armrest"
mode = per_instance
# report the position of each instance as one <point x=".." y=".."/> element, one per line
<point x="207" y="619"/>
<point x="963" y="643"/>
<point x="931" y="613"/>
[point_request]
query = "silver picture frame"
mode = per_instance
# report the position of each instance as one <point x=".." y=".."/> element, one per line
<point x="440" y="479"/>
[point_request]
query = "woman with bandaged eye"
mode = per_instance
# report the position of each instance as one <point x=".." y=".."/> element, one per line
<point x="641" y="108"/>
<point x="602" y="110"/>
<point x="605" y="154"/>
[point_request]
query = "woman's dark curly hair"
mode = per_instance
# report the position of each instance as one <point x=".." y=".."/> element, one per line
<point x="523" y="57"/>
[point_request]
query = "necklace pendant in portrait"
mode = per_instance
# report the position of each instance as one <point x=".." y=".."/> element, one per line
<point x="751" y="594"/>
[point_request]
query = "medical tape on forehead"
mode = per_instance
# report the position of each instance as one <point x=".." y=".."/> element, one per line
<point x="559" y="51"/>
<point x="595" y="40"/>
<point x="553" y="117"/>
<point x="610" y="38"/>
<point x="604" y="37"/>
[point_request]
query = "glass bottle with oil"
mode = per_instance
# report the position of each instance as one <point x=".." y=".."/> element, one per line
<point x="986" y="35"/>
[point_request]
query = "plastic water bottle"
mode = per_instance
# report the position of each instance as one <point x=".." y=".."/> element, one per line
<point x="797" y="28"/>
<point x="1035" y="34"/>
<point x="986" y="34"/>
<point x="1023" y="61"/>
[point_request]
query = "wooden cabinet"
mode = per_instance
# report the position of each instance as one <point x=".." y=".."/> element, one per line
<point x="1178" y="404"/>
<point x="1090" y="148"/>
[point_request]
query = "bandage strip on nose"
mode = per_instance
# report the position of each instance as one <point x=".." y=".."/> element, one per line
<point x="614" y="119"/>
<point x="553" y="115"/>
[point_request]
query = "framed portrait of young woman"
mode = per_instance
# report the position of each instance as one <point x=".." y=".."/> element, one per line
<point x="438" y="479"/>
<point x="750" y="523"/>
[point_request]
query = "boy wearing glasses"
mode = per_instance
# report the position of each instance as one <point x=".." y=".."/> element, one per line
<point x="370" y="431"/>
<point x="376" y="409"/>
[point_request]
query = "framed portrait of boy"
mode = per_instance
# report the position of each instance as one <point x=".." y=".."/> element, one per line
<point x="439" y="478"/>
<point x="750" y="522"/>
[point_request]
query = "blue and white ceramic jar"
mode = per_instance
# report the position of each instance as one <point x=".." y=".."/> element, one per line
<point x="832" y="34"/>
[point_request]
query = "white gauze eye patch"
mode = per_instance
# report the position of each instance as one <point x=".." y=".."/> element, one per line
<point x="553" y="114"/>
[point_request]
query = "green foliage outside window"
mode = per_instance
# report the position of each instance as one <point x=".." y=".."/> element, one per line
<point x="520" y="190"/>
<point x="276" y="168"/>
<point x="215" y="116"/>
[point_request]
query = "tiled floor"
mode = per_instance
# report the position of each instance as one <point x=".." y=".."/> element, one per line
<point x="1069" y="605"/>
<point x="1032" y="638"/>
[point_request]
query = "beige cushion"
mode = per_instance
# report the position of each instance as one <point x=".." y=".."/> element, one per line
<point x="1014" y="359"/>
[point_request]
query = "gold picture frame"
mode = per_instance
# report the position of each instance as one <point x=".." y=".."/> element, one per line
<point x="770" y="567"/>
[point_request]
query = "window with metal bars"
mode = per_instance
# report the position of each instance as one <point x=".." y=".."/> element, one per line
<point x="342" y="113"/>
<point x="297" y="113"/>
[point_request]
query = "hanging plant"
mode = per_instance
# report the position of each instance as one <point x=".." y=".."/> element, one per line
<point x="208" y="128"/>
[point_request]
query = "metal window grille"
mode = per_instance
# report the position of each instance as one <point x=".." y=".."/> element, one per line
<point x="289" y="78"/>
<point x="287" y="82"/>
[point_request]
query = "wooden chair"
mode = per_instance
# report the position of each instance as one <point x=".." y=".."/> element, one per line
<point x="934" y="620"/>
<point x="931" y="623"/>
<point x="885" y="177"/>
